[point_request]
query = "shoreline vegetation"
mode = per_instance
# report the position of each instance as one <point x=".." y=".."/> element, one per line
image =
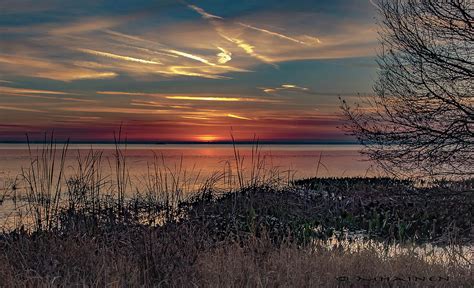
<point x="249" y="225"/>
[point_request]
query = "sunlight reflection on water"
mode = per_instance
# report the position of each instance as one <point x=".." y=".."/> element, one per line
<point x="302" y="160"/>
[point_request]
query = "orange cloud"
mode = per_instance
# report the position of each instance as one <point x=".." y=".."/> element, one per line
<point x="220" y="99"/>
<point x="13" y="90"/>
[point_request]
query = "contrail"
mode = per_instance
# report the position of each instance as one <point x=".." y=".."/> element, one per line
<point x="273" y="33"/>
<point x="115" y="56"/>
<point x="191" y="56"/>
<point x="203" y="13"/>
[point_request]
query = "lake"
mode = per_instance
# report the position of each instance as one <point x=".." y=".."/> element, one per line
<point x="300" y="161"/>
<point x="185" y="167"/>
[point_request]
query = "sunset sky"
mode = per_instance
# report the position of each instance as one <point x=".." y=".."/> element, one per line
<point x="183" y="70"/>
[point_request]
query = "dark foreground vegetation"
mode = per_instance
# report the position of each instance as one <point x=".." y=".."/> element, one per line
<point x="313" y="233"/>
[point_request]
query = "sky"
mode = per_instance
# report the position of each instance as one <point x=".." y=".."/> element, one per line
<point x="171" y="70"/>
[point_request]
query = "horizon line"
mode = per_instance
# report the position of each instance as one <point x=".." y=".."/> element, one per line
<point x="244" y="142"/>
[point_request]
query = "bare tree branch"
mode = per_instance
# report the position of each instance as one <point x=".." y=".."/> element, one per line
<point x="420" y="120"/>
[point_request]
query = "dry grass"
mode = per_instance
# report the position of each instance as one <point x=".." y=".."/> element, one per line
<point x="261" y="265"/>
<point x="178" y="259"/>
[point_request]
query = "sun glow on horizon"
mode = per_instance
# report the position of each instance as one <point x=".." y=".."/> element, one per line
<point x="207" y="138"/>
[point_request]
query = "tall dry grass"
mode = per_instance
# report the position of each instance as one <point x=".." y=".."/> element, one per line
<point x="44" y="182"/>
<point x="176" y="258"/>
<point x="260" y="264"/>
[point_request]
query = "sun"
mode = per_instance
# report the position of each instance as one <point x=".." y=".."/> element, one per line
<point x="206" y="138"/>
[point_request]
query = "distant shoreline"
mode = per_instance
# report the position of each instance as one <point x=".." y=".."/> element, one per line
<point x="189" y="142"/>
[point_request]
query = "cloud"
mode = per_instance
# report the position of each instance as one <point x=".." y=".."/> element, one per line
<point x="285" y="87"/>
<point x="279" y="35"/>
<point x="129" y="37"/>
<point x="191" y="56"/>
<point x="238" y="117"/>
<point x="224" y="56"/>
<point x="203" y="13"/>
<point x="249" y="49"/>
<point x="85" y="25"/>
<point x="19" y="109"/>
<point x="126" y="93"/>
<point x="115" y="56"/>
<point x="186" y="71"/>
<point x="197" y="97"/>
<point x="4" y="89"/>
<point x="196" y="117"/>
<point x="118" y="110"/>
<point x="349" y="41"/>
<point x="293" y="86"/>
<point x="49" y="50"/>
<point x="40" y="94"/>
<point x="220" y="99"/>
<point x="174" y="64"/>
<point x="44" y="68"/>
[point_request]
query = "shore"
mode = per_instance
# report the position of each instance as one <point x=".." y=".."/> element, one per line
<point x="326" y="232"/>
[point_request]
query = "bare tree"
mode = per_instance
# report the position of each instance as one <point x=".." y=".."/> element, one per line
<point x="420" y="120"/>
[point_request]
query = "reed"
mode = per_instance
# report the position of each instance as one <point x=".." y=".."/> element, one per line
<point x="44" y="182"/>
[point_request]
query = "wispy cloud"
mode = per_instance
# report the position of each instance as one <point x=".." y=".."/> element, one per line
<point x="118" y="110"/>
<point x="19" y="109"/>
<point x="44" y="68"/>
<point x="279" y="35"/>
<point x="130" y="37"/>
<point x="126" y="93"/>
<point x="224" y="56"/>
<point x="221" y="99"/>
<point x="173" y="61"/>
<point x="197" y="98"/>
<point x="4" y="89"/>
<point x="195" y="117"/>
<point x="238" y="117"/>
<point x="115" y="56"/>
<point x="293" y="86"/>
<point x="350" y="40"/>
<point x="191" y="56"/>
<point x="193" y="97"/>
<point x="284" y="87"/>
<point x="249" y="49"/>
<point x="203" y="13"/>
<point x="41" y="94"/>
<point x="187" y="71"/>
<point x="47" y="50"/>
<point x="85" y="25"/>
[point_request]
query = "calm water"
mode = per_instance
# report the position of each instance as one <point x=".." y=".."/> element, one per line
<point x="299" y="160"/>
<point x="193" y="164"/>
